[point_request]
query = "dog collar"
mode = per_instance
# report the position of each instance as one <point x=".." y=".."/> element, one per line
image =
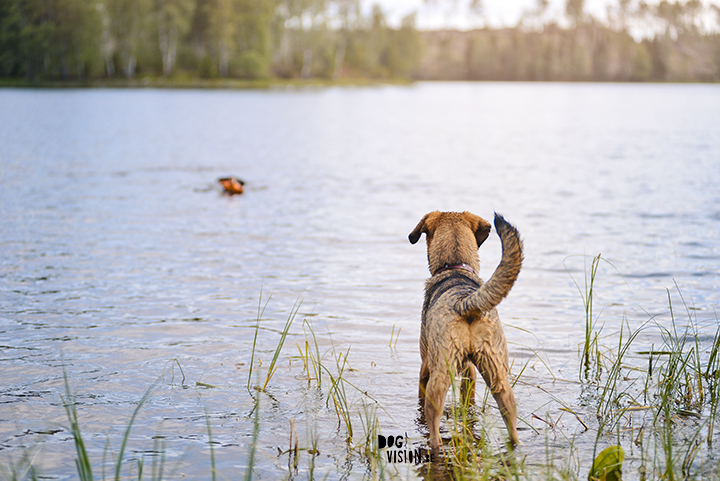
<point x="462" y="266"/>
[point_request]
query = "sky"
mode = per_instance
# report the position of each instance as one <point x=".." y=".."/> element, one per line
<point x="497" y="12"/>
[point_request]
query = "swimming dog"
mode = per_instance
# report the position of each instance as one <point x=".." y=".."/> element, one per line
<point x="232" y="185"/>
<point x="460" y="325"/>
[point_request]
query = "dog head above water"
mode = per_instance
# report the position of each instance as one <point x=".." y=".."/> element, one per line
<point x="452" y="238"/>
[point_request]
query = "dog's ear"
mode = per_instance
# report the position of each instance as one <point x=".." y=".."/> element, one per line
<point x="479" y="226"/>
<point x="421" y="228"/>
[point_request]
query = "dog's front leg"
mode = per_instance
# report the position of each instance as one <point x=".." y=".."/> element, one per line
<point x="424" y="376"/>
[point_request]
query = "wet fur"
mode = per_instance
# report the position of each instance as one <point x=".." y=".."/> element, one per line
<point x="460" y="325"/>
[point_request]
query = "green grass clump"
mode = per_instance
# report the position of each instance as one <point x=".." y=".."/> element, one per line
<point x="662" y="401"/>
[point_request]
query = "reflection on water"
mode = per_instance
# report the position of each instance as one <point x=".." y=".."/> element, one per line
<point x="118" y="253"/>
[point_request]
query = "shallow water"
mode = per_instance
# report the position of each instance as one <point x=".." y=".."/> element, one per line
<point x="118" y="253"/>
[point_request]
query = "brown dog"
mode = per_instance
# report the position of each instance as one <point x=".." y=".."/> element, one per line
<point x="460" y="325"/>
<point x="232" y="185"/>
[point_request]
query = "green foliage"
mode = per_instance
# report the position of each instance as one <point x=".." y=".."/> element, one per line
<point x="129" y="25"/>
<point x="607" y="466"/>
<point x="10" y="45"/>
<point x="252" y="65"/>
<point x="49" y="40"/>
<point x="55" y="39"/>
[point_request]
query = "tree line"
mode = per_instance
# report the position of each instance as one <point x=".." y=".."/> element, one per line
<point x="58" y="40"/>
<point x="90" y="39"/>
<point x="667" y="41"/>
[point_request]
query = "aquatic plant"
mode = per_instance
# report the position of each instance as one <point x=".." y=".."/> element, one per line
<point x="679" y="382"/>
<point x="281" y="343"/>
<point x="260" y="313"/>
<point x="339" y="395"/>
<point x="607" y="466"/>
<point x="590" y="345"/>
<point x="253" y="446"/>
<point x="82" y="462"/>
<point x="213" y="470"/>
<point x="311" y="359"/>
<point x="391" y="344"/>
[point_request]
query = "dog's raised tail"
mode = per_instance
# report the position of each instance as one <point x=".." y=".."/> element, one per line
<point x="498" y="286"/>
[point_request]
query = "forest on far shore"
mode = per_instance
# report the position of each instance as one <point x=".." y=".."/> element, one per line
<point x="90" y="40"/>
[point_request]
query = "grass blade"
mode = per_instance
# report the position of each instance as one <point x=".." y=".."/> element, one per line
<point x="283" y="335"/>
<point x="82" y="462"/>
<point x="261" y="312"/>
<point x="143" y="400"/>
<point x="256" y="431"/>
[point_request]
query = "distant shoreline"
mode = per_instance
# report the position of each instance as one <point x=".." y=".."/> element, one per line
<point x="197" y="83"/>
<point x="269" y="84"/>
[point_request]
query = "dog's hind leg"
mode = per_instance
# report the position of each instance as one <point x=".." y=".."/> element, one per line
<point x="435" y="390"/>
<point x="505" y="399"/>
<point x="506" y="402"/>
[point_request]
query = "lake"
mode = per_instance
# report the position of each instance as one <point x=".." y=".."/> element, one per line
<point x="123" y="266"/>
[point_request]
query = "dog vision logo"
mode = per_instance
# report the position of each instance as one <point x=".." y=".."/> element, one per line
<point x="397" y="449"/>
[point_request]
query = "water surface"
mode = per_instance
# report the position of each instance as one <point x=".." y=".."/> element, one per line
<point x="118" y="253"/>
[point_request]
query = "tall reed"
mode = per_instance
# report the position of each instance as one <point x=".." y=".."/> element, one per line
<point x="590" y="345"/>
<point x="339" y="395"/>
<point x="213" y="470"/>
<point x="82" y="462"/>
<point x="253" y="446"/>
<point x="260" y="313"/>
<point x="283" y="335"/>
<point x="311" y="358"/>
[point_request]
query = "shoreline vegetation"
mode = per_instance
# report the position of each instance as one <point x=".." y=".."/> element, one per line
<point x="187" y="82"/>
<point x="266" y="43"/>
<point x="659" y="404"/>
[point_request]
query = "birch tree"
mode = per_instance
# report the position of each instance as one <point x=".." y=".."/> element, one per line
<point x="173" y="22"/>
<point x="222" y="21"/>
<point x="347" y="13"/>
<point x="128" y="25"/>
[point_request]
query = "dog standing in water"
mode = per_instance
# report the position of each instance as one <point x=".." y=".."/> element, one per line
<point x="461" y="328"/>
